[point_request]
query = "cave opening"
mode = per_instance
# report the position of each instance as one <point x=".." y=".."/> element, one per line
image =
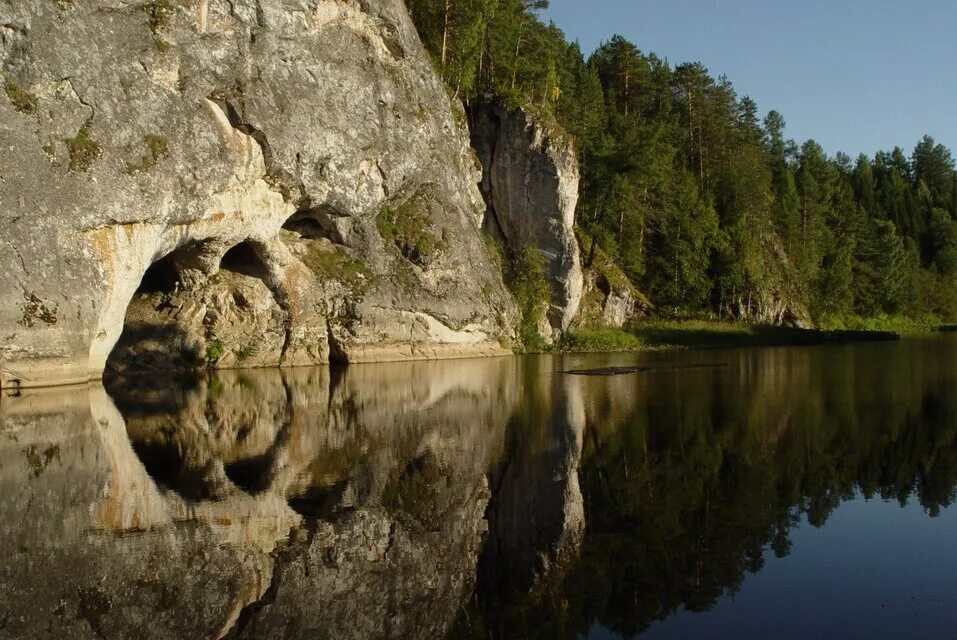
<point x="161" y="276"/>
<point x="305" y="225"/>
<point x="244" y="259"/>
<point x="603" y="284"/>
<point x="324" y="222"/>
<point x="144" y="342"/>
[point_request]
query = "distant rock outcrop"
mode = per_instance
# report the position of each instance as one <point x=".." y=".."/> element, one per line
<point x="610" y="299"/>
<point x="530" y="184"/>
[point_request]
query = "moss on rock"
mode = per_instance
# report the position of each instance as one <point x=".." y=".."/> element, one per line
<point x="23" y="101"/>
<point x="83" y="150"/>
<point x="407" y="227"/>
<point x="157" y="149"/>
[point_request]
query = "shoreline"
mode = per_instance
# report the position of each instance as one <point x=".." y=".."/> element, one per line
<point x="683" y="334"/>
<point x="642" y="337"/>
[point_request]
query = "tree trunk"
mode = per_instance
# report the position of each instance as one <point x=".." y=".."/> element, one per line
<point x="445" y="31"/>
<point x="518" y="48"/>
<point x="621" y="227"/>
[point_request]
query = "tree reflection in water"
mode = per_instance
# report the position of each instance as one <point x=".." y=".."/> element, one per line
<point x="495" y="498"/>
<point x="690" y="478"/>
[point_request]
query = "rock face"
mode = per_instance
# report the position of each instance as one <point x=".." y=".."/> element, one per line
<point x="530" y="184"/>
<point x="610" y="299"/>
<point x="287" y="180"/>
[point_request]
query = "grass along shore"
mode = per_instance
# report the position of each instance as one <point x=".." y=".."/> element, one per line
<point x="659" y="334"/>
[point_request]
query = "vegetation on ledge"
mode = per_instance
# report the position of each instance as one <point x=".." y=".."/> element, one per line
<point x="599" y="339"/>
<point x="663" y="334"/>
<point x="407" y="227"/>
<point x="527" y="282"/>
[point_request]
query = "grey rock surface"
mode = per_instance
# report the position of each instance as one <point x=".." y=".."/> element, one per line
<point x="135" y="132"/>
<point x="609" y="298"/>
<point x="530" y="184"/>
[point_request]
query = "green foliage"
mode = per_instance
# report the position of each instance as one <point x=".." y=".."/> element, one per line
<point x="407" y="227"/>
<point x="245" y="352"/>
<point x="913" y="325"/>
<point x="529" y="286"/>
<point x="156" y="149"/>
<point x="693" y="196"/>
<point x="214" y="351"/>
<point x="599" y="339"/>
<point x="23" y="101"/>
<point x="83" y="150"/>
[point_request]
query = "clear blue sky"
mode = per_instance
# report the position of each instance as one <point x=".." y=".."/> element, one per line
<point x="855" y="75"/>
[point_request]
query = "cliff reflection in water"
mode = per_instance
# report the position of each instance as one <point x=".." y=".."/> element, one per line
<point x="255" y="504"/>
<point x="691" y="478"/>
<point x="479" y="498"/>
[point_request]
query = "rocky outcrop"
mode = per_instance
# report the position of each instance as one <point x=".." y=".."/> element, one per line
<point x="530" y="184"/>
<point x="610" y="299"/>
<point x="273" y="182"/>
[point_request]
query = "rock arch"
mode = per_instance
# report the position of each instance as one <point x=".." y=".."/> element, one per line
<point x="205" y="304"/>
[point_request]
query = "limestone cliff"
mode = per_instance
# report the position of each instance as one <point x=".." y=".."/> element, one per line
<point x="269" y="181"/>
<point x="530" y="184"/>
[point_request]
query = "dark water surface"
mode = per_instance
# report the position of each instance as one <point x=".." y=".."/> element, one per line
<point x="740" y="493"/>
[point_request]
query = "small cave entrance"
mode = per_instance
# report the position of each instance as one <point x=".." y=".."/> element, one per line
<point x="323" y="222"/>
<point x="603" y="285"/>
<point x="161" y="276"/>
<point x="305" y="225"/>
<point x="244" y="259"/>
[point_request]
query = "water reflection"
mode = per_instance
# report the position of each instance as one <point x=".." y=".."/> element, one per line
<point x="491" y="498"/>
<point x="692" y="478"/>
<point x="253" y="504"/>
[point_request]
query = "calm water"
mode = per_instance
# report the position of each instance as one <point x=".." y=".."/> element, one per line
<point x="785" y="493"/>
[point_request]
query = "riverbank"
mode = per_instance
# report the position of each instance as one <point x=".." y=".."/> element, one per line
<point x="663" y="334"/>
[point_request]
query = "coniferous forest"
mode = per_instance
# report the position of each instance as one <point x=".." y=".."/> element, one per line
<point x="697" y="195"/>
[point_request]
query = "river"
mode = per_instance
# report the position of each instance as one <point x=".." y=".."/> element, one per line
<point x="746" y="493"/>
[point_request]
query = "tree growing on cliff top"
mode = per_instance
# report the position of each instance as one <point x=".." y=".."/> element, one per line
<point x="701" y="203"/>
